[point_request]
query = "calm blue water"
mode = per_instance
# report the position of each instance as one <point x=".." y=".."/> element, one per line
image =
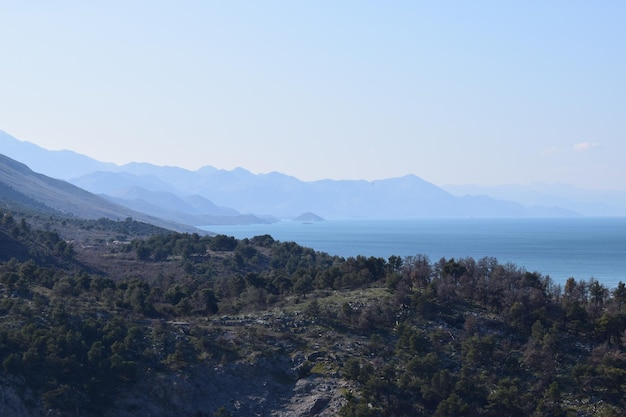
<point x="579" y="247"/>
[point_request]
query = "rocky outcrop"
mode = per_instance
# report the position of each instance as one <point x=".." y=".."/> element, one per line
<point x="267" y="387"/>
<point x="315" y="396"/>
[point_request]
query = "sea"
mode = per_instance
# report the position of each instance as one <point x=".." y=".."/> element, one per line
<point x="579" y="247"/>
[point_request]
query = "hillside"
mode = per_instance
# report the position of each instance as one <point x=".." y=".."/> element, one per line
<point x="104" y="318"/>
<point x="19" y="184"/>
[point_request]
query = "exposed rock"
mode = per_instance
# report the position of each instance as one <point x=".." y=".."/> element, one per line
<point x="269" y="387"/>
<point x="315" y="396"/>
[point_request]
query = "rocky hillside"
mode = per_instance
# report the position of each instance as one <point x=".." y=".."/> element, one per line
<point x="104" y="318"/>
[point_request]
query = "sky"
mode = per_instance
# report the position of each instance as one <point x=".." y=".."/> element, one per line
<point x="456" y="92"/>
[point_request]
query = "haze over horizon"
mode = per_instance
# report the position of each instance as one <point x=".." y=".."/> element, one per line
<point x="484" y="93"/>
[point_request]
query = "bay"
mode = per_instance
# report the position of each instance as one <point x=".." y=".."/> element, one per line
<point x="561" y="248"/>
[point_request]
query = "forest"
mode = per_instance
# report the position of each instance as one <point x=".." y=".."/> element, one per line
<point x="90" y="309"/>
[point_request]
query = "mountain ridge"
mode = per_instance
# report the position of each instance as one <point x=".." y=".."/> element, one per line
<point x="586" y="202"/>
<point x="282" y="196"/>
<point x="36" y="190"/>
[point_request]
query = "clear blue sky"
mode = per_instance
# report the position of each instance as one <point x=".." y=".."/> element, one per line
<point x="484" y="92"/>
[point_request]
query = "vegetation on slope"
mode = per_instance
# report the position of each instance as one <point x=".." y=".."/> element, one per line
<point x="91" y="310"/>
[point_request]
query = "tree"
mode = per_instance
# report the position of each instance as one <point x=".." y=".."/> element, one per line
<point x="143" y="252"/>
<point x="394" y="264"/>
<point x="223" y="243"/>
<point x="507" y="399"/>
<point x="303" y="285"/>
<point x="451" y="406"/>
<point x="619" y="295"/>
<point x="598" y="292"/>
<point x="205" y="301"/>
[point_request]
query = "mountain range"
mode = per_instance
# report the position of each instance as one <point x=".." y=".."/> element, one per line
<point x="216" y="196"/>
<point x="587" y="202"/>
<point x="20" y="185"/>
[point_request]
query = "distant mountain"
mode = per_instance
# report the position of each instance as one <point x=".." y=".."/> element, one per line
<point x="115" y="183"/>
<point x="586" y="202"/>
<point x="284" y="196"/>
<point x="404" y="197"/>
<point x="308" y="217"/>
<point x="193" y="210"/>
<point x="56" y="164"/>
<point x="138" y="186"/>
<point x="164" y="191"/>
<point x="143" y="191"/>
<point x="20" y="185"/>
